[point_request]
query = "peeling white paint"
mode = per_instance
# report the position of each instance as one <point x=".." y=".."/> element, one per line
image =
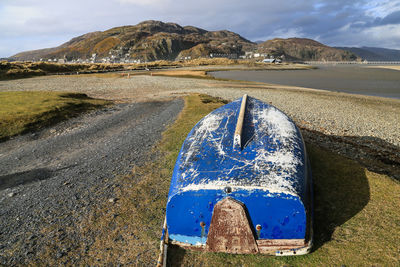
<point x="276" y="122"/>
<point x="205" y="131"/>
<point x="218" y="185"/>
<point x="275" y="168"/>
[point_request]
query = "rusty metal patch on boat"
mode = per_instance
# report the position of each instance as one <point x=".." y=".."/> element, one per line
<point x="230" y="229"/>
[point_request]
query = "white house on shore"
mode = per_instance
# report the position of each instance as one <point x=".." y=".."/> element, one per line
<point x="269" y="60"/>
<point x="272" y="60"/>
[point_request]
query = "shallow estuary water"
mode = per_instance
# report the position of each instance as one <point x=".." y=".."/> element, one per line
<point x="365" y="80"/>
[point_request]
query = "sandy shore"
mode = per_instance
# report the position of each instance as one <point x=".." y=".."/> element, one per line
<point x="387" y="67"/>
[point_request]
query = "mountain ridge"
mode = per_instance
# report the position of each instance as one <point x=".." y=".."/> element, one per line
<point x="374" y="53"/>
<point x="304" y="49"/>
<point x="155" y="40"/>
<point x="146" y="41"/>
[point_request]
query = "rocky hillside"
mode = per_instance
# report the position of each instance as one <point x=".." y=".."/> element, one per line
<point x="146" y="41"/>
<point x="156" y="40"/>
<point x="304" y="49"/>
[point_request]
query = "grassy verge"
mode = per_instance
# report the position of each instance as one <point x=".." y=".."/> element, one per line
<point x="21" y="112"/>
<point x="357" y="222"/>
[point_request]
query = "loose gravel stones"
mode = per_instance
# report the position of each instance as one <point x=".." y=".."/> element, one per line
<point x="328" y="112"/>
<point x="63" y="173"/>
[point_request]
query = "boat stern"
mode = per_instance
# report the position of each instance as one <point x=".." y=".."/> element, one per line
<point x="239" y="221"/>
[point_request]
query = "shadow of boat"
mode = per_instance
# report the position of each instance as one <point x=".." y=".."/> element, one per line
<point x="341" y="191"/>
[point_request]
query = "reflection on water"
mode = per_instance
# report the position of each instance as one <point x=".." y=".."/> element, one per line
<point x="356" y="79"/>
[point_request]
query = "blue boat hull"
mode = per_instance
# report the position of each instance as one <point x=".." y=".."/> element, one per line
<point x="256" y="187"/>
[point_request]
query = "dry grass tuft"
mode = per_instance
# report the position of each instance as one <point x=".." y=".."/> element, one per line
<point x="183" y="74"/>
<point x="210" y="61"/>
<point x="21" y="112"/>
<point x="17" y="70"/>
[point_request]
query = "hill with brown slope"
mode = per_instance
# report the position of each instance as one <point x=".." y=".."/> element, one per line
<point x="148" y="40"/>
<point x="156" y="40"/>
<point x="304" y="49"/>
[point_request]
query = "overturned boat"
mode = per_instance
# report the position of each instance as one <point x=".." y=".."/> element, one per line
<point x="242" y="184"/>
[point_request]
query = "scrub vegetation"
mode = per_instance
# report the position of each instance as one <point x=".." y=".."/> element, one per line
<point x="18" y="70"/>
<point x="21" y="112"/>
<point x="356" y="211"/>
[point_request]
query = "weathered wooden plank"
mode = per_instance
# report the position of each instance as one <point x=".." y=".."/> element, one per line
<point x="270" y="246"/>
<point x="281" y="242"/>
<point x="237" y="142"/>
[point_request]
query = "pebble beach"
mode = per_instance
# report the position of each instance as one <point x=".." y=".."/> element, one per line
<point x="330" y="113"/>
<point x="363" y="128"/>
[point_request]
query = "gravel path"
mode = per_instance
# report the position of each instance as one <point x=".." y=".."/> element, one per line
<point x="56" y="177"/>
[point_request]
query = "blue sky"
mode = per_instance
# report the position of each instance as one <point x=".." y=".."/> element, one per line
<point x="33" y="24"/>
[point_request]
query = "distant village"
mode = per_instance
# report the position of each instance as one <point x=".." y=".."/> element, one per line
<point x="116" y="56"/>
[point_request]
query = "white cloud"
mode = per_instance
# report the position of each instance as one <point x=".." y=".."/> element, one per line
<point x="15" y="18"/>
<point x="288" y="33"/>
<point x="144" y="2"/>
<point x="385" y="32"/>
<point x="386" y="36"/>
<point x="379" y="9"/>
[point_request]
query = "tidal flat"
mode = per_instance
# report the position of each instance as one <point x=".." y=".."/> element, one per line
<point x="369" y="80"/>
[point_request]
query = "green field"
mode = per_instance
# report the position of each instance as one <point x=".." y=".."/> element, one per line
<point x="357" y="222"/>
<point x="21" y="112"/>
